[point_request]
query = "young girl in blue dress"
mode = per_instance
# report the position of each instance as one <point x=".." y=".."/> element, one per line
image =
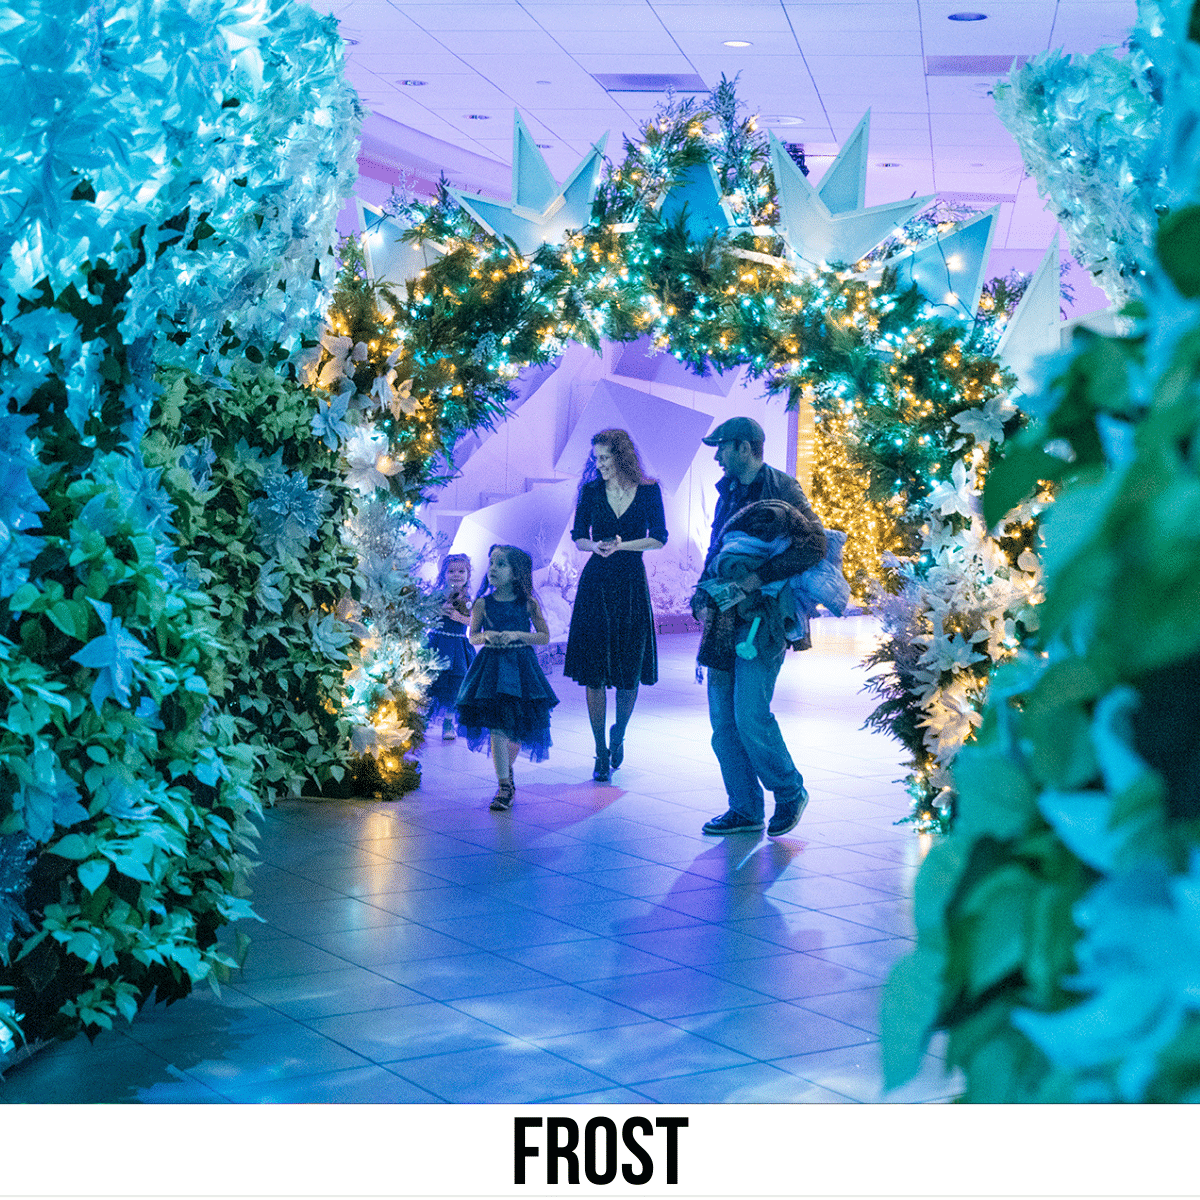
<point x="505" y="699"/>
<point x="450" y="640"/>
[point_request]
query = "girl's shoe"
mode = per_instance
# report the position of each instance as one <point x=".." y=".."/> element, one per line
<point x="616" y="750"/>
<point x="448" y="732"/>
<point x="502" y="801"/>
<point x="601" y="772"/>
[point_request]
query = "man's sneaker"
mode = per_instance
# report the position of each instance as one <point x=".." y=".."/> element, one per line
<point x="732" y="822"/>
<point x="787" y="816"/>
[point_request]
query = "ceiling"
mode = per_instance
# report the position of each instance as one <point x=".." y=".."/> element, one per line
<point x="811" y="70"/>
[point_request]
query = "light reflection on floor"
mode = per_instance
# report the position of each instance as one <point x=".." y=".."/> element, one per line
<point x="590" y="946"/>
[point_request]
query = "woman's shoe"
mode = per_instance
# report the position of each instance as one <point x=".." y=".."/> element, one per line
<point x="502" y="801"/>
<point x="602" y="771"/>
<point x="616" y="750"/>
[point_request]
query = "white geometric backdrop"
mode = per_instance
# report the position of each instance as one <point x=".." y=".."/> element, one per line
<point x="518" y="483"/>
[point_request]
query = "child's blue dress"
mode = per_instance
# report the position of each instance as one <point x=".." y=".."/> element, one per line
<point x="505" y="689"/>
<point x="450" y="642"/>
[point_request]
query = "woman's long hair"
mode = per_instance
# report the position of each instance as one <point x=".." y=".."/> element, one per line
<point x="447" y="562"/>
<point x="522" y="571"/>
<point x="626" y="459"/>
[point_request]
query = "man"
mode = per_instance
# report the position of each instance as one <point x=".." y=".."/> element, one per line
<point x="746" y="737"/>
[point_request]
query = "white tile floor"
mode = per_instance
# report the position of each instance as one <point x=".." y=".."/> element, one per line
<point x="590" y="946"/>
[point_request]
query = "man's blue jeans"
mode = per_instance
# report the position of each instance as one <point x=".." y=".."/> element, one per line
<point x="746" y="737"/>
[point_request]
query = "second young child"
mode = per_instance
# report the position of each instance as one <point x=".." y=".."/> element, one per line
<point x="505" y="700"/>
<point x="450" y="640"/>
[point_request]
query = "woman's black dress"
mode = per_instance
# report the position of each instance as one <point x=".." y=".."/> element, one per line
<point x="611" y="639"/>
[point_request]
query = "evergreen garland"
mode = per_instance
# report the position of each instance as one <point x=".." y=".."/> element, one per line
<point x="912" y="395"/>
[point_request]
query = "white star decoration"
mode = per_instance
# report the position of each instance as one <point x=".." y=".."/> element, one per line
<point x="540" y="211"/>
<point x="1033" y="329"/>
<point x="949" y="269"/>
<point x="389" y="258"/>
<point x="828" y="223"/>
<point x="708" y="211"/>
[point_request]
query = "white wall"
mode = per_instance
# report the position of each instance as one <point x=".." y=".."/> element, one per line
<point x="520" y="454"/>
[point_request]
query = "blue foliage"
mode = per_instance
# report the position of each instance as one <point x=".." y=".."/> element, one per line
<point x="115" y="654"/>
<point x="19" y="503"/>
<point x="170" y="178"/>
<point x="16" y="857"/>
<point x="194" y="111"/>
<point x="1139" y="966"/>
<point x="198" y="459"/>
<point x="46" y="795"/>
<point x="289" y="515"/>
<point x="329" y="424"/>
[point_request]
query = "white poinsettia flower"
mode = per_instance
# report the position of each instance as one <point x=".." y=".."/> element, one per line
<point x="386" y="465"/>
<point x="950" y="653"/>
<point x="332" y="374"/>
<point x="363" y="452"/>
<point x="986" y="424"/>
<point x="942" y="538"/>
<point x="998" y="631"/>
<point x="344" y="353"/>
<point x="363" y="740"/>
<point x="381" y="390"/>
<point x="390" y="732"/>
<point x="389" y="397"/>
<point x="306" y="363"/>
<point x="956" y="494"/>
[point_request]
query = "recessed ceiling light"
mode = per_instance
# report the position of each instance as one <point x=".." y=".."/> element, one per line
<point x="781" y="119"/>
<point x="889" y="164"/>
<point x="737" y="43"/>
<point x="350" y="41"/>
<point x="967" y="16"/>
<point x="411" y="82"/>
<point x="542" y="81"/>
<point x="545" y="145"/>
<point x="477" y="116"/>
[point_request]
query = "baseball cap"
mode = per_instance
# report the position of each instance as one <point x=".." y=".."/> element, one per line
<point x="736" y="429"/>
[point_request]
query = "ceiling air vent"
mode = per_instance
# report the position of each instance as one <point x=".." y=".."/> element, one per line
<point x="986" y="198"/>
<point x="651" y="83"/>
<point x="990" y="65"/>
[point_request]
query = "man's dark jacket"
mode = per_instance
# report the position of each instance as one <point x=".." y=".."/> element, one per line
<point x="806" y="550"/>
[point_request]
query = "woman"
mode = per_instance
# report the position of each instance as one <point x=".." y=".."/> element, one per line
<point x="611" y="641"/>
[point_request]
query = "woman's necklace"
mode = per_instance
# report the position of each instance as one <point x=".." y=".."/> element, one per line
<point x="619" y="498"/>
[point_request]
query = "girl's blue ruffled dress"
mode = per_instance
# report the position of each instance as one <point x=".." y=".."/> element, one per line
<point x="450" y="642"/>
<point x="505" y="689"/>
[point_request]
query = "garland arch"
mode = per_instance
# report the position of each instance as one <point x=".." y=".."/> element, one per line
<point x="707" y="239"/>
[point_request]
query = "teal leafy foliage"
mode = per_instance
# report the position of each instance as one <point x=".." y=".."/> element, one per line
<point x="116" y="763"/>
<point x="263" y="538"/>
<point x="16" y="857"/>
<point x="20" y="505"/>
<point x="170" y="176"/>
<point x="1089" y="128"/>
<point x="1057" y="926"/>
